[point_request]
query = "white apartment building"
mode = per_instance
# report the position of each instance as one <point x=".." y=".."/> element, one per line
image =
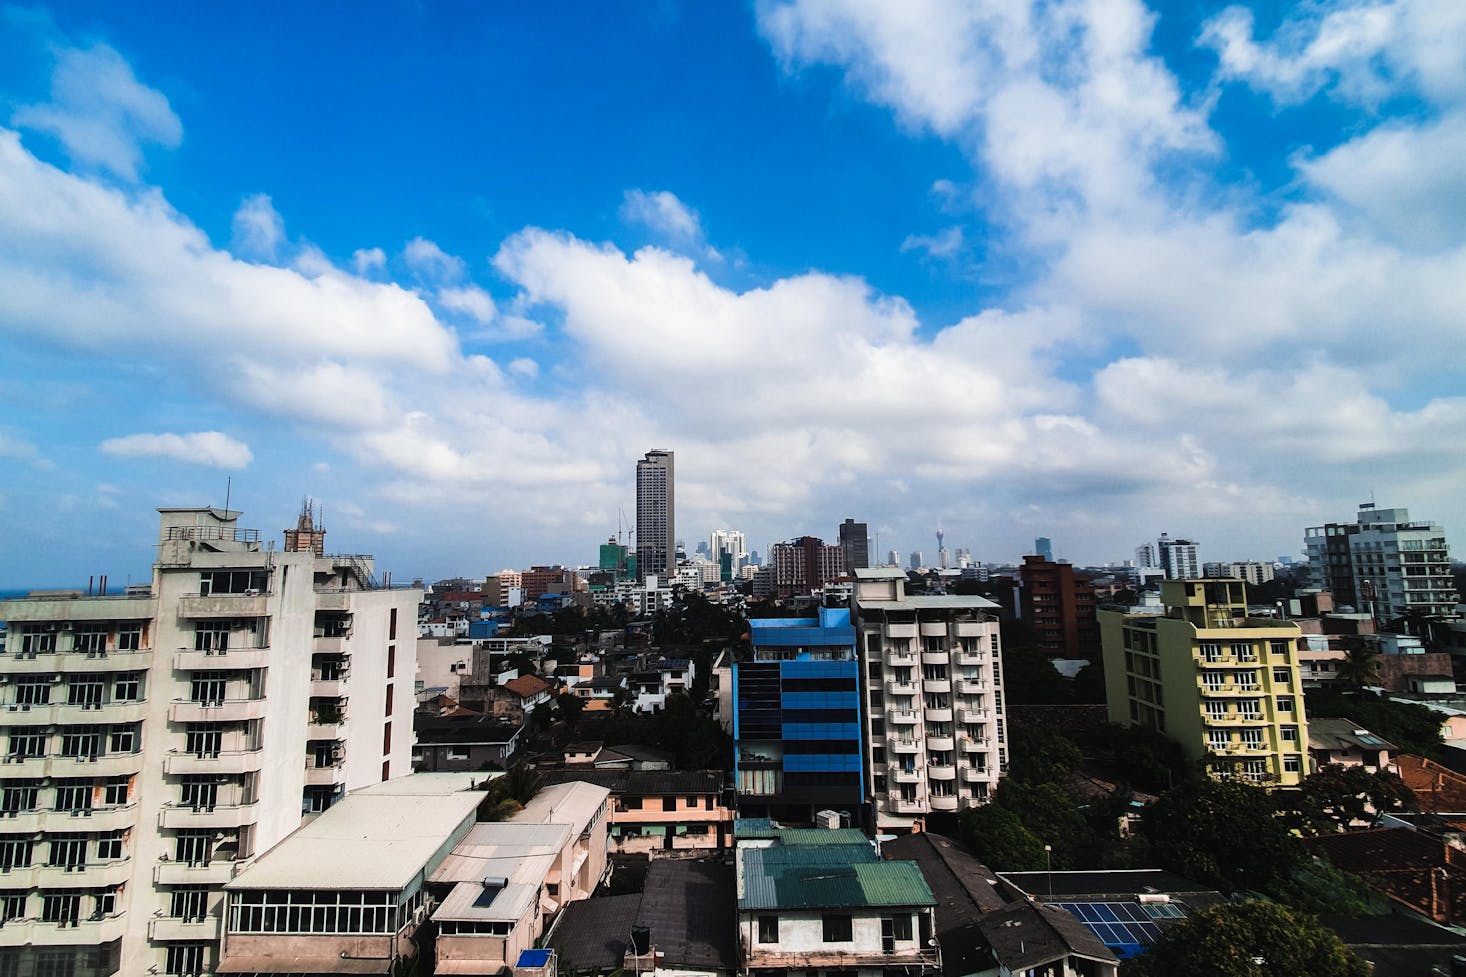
<point x="1254" y="573"/>
<point x="1178" y="558"/>
<point x="933" y="678"/>
<point x="1401" y="565"/>
<point x="155" y="743"/>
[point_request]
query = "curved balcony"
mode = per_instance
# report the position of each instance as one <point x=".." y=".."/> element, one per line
<point x="970" y="686"/>
<point x="941" y="686"/>
<point x="224" y="605"/>
<point x="973" y="744"/>
<point x="221" y="763"/>
<point x="900" y="657"/>
<point x="228" y="711"/>
<point x="78" y="661"/>
<point x="902" y="717"/>
<point x="905" y="775"/>
<point x="93" y="876"/>
<point x="65" y="714"/>
<point x="172" y="928"/>
<point x="900" y="630"/>
<point x="941" y="771"/>
<point x="971" y="629"/>
<point x="904" y="744"/>
<point x="970" y="657"/>
<point x="325" y="776"/>
<point x="933" y="629"/>
<point x="940" y="744"/>
<point x="94" y="819"/>
<point x="975" y="775"/>
<point x="900" y="805"/>
<point x="941" y="715"/>
<point x="894" y="687"/>
<point x="330" y="687"/>
<point x="105" y="765"/>
<point x="213" y="661"/>
<point x="967" y="714"/>
<point x="935" y="657"/>
<point x="86" y="932"/>
<point x="940" y="803"/>
<point x="218" y="816"/>
<point x="178" y="873"/>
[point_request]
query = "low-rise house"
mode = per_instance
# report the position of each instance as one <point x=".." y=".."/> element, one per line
<point x="1035" y="940"/>
<point x="1420" y="871"/>
<point x="657" y="812"/>
<point x="601" y="694"/>
<point x="517" y="698"/>
<point x="658" y="680"/>
<point x="1346" y="743"/>
<point x="679" y="924"/>
<point x="821" y="899"/>
<point x="468" y="742"/>
<point x="346" y="893"/>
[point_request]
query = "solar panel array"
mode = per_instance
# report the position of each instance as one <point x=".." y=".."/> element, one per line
<point x="1126" y="927"/>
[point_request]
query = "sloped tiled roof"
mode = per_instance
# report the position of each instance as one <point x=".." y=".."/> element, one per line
<point x="1439" y="789"/>
<point x="1026" y="935"/>
<point x="641" y="782"/>
<point x="527" y="686"/>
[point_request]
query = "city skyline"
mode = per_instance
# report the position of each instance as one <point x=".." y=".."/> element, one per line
<point x="450" y="270"/>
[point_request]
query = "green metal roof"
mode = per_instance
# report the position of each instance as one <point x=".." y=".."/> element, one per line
<point x="818" y="855"/>
<point x="834" y="884"/>
<point x="822" y="836"/>
<point x="754" y="828"/>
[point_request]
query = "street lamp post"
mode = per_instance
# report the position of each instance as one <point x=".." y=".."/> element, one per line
<point x="1049" y="867"/>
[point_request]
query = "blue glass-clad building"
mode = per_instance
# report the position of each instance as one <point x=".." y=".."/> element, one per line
<point x="796" y="719"/>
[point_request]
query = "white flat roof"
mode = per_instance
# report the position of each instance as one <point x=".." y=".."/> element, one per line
<point x="574" y="804"/>
<point x="425" y="784"/>
<point x="927" y="602"/>
<point x="364" y="841"/>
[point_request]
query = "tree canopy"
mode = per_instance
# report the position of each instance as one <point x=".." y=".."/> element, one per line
<point x="1337" y="796"/>
<point x="1247" y="939"/>
<point x="1223" y="833"/>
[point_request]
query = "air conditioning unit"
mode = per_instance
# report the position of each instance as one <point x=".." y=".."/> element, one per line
<point x="67" y="625"/>
<point x="4" y="679"/>
<point x="55" y="679"/>
<point x="419" y="915"/>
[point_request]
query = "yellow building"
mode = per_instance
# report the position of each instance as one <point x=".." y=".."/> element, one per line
<point x="1223" y="685"/>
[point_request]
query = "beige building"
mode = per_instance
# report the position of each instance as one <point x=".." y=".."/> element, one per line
<point x="155" y="743"/>
<point x="1225" y="686"/>
<point x="933" y="676"/>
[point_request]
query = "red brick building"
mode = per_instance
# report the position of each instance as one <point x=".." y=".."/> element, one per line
<point x="1060" y="607"/>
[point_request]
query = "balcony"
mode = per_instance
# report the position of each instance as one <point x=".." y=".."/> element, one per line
<point x="974" y="775"/>
<point x="968" y="714"/>
<point x="973" y="744"/>
<point x="900" y="630"/>
<point x="902" y="774"/>
<point x="935" y="657"/>
<point x="325" y="776"/>
<point x="940" y="715"/>
<point x="901" y="717"/>
<point x="94" y="876"/>
<point x="103" y="765"/>
<point x="171" y="928"/>
<point x="904" y="805"/>
<point x="326" y="731"/>
<point x="970" y="657"/>
<point x="900" y="657"/>
<point x="77" y="661"/>
<point x="970" y="629"/>
<point x="331" y="688"/>
<point x="218" y="816"/>
<point x="224" y="762"/>
<point x="332" y="644"/>
<point x="940" y="744"/>
<point x="970" y="686"/>
<point x="933" y="629"/>
<point x="224" y="605"/>
<point x="65" y="714"/>
<point x="93" y="819"/>
<point x="904" y="744"/>
<point x="894" y="687"/>
<point x="941" y="771"/>
<point x="216" y="872"/>
<point x="940" y="686"/>
<point x="941" y="802"/>
<point x="228" y="711"/>
<point x="86" y="932"/>
<point x="188" y="661"/>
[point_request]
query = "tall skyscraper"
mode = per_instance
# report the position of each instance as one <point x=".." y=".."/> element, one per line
<point x="157" y="742"/>
<point x="655" y="523"/>
<point x="855" y="541"/>
<point x="1044" y="547"/>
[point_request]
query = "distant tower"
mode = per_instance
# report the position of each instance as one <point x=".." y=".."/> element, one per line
<point x="1044" y="547"/>
<point x="656" y="537"/>
<point x="941" y="548"/>
<point x="855" y="543"/>
<point x="893" y="559"/>
<point x="307" y="536"/>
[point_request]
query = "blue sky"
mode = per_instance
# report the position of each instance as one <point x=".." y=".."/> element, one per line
<point x="1086" y="270"/>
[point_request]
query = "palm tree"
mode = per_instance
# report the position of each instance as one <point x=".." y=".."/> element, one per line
<point x="1360" y="664"/>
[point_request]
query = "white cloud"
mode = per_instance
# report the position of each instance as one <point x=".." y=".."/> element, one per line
<point x="470" y="300"/>
<point x="15" y="446"/>
<point x="259" y="230"/>
<point x="943" y="244"/>
<point x="524" y="367"/>
<point x="431" y="263"/>
<point x="661" y="211"/>
<point x="201" y="448"/>
<point x="367" y="260"/>
<point x="100" y="113"/>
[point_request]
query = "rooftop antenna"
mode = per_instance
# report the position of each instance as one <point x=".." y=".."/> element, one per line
<point x="228" y="487"/>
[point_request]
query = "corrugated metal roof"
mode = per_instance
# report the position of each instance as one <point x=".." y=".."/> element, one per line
<point x="822" y="836"/>
<point x="508" y="905"/>
<point x="933" y="601"/>
<point x="834" y="884"/>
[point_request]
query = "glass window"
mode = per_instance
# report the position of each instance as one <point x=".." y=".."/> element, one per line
<point x="185" y="959"/>
<point x="62" y="908"/>
<point x="768" y="929"/>
<point x="838" y="928"/>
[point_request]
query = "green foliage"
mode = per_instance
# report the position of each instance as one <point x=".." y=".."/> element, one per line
<point x="1000" y="840"/>
<point x="1041" y="755"/>
<point x="696" y="741"/>
<point x="1030" y="679"/>
<point x="1360" y="666"/>
<point x="1409" y="725"/>
<point x="1247" y="939"/>
<point x="1221" y="833"/>
<point x="1316" y="886"/>
<point x="1144" y="758"/>
<point x="508" y="794"/>
<point x="1336" y="796"/>
<point x="1088" y="686"/>
<point x="1051" y="814"/>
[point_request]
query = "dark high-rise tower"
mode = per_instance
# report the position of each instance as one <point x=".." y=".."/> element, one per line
<point x="655" y="526"/>
<point x="856" y="544"/>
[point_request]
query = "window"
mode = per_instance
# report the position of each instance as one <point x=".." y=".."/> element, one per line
<point x="189" y="904"/>
<point x="207" y="688"/>
<point x="1244" y="653"/>
<point x="1213" y="681"/>
<point x="1280" y="648"/>
<point x="1281" y="676"/>
<point x="68" y="851"/>
<point x="233" y="582"/>
<point x="12" y="905"/>
<point x="838" y="928"/>
<point x="768" y="929"/>
<point x="458" y="753"/>
<point x="90" y="638"/>
<point x="193" y="847"/>
<point x="1290" y="734"/>
<point x="15" y="852"/>
<point x="61" y="908"/>
<point x="128" y="688"/>
<point x="33" y="643"/>
<point x="315" y="911"/>
<point x="203" y="739"/>
<point x="1246" y="679"/>
<point x="391" y="659"/>
<point x="1292" y="764"/>
<point x="185" y="959"/>
<point x="122" y="739"/>
<point x="17" y="796"/>
<point x="33" y="691"/>
<point x="106" y="903"/>
<point x="1216" y="709"/>
<point x="74" y="796"/>
<point x="130" y="637"/>
<point x="1211" y="651"/>
<point x="199" y="792"/>
<point x="109" y="846"/>
<point x="81" y="742"/>
<point x="1216" y="740"/>
<point x="1248" y="709"/>
<point x="1252" y="738"/>
<point x="901" y="927"/>
<point x="1285" y="703"/>
<point x="26" y="745"/>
